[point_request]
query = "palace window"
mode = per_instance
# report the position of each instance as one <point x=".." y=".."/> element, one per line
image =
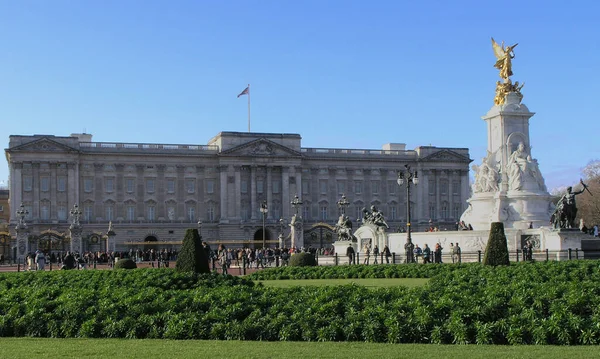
<point x="131" y="213"/>
<point x="445" y="210"/>
<point x="129" y="185"/>
<point x="455" y="187"/>
<point x="260" y="186"/>
<point x="324" y="213"/>
<point x="110" y="184"/>
<point x="210" y="186"/>
<point x="305" y="187"/>
<point x="110" y="210"/>
<point x="191" y="212"/>
<point x="190" y="185"/>
<point x="151" y="213"/>
<point x="275" y="187"/>
<point x="392" y="185"/>
<point x="88" y="185"/>
<point x="210" y="213"/>
<point x="45" y="212"/>
<point x="456" y="211"/>
<point x="170" y="185"/>
<point x="375" y="187"/>
<point x="358" y="187"/>
<point x="62" y="213"/>
<point x="244" y="186"/>
<point x="150" y="185"/>
<point x="431" y="211"/>
<point x="27" y="183"/>
<point x="45" y="184"/>
<point x="61" y="184"/>
<point x="431" y="184"/>
<point x="87" y="213"/>
<point x="393" y="213"/>
<point x="323" y="186"/>
<point x="341" y="187"/>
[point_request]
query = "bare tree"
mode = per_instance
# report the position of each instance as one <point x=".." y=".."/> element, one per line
<point x="589" y="201"/>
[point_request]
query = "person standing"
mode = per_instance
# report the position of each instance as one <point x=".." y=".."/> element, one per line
<point x="456" y="254"/>
<point x="367" y="255"/>
<point x="438" y="253"/>
<point x="387" y="254"/>
<point x="426" y="254"/>
<point x="350" y="254"/>
<point x="40" y="260"/>
<point x="375" y="254"/>
<point x="222" y="256"/>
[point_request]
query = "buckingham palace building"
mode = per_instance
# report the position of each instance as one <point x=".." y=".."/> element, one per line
<point x="152" y="193"/>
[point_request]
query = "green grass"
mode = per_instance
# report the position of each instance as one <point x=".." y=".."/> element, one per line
<point x="367" y="282"/>
<point x="28" y="348"/>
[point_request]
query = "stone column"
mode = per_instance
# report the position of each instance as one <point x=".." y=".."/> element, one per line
<point x="270" y="192"/>
<point x="438" y="199"/>
<point x="238" y="192"/>
<point x="22" y="240"/>
<point x="35" y="203"/>
<point x="285" y="192"/>
<point x="223" y="192"/>
<point x="253" y="204"/>
<point x="53" y="190"/>
<point x="16" y="188"/>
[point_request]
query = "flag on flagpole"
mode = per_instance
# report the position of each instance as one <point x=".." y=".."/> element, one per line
<point x="245" y="92"/>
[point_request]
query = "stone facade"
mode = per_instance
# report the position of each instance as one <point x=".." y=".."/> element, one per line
<point x="153" y="192"/>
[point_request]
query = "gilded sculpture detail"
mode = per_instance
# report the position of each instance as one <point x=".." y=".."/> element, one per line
<point x="504" y="56"/>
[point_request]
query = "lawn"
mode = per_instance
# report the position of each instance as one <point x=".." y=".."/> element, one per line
<point x="28" y="348"/>
<point x="366" y="282"/>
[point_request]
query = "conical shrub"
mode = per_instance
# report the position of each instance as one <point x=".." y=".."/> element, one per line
<point x="496" y="251"/>
<point x="192" y="257"/>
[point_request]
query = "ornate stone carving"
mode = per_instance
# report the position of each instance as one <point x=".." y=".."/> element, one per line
<point x="262" y="148"/>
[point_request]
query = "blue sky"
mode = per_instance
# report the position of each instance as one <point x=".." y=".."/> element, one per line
<point x="342" y="74"/>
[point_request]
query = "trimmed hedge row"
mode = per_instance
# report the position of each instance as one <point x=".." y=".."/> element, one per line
<point x="358" y="271"/>
<point x="524" y="303"/>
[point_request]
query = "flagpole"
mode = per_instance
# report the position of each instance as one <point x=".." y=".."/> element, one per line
<point x="248" y="107"/>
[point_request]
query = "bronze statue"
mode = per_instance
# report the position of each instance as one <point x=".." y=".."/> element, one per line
<point x="566" y="210"/>
<point x="504" y="55"/>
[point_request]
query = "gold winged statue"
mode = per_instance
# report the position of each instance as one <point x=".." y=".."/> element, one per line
<point x="504" y="56"/>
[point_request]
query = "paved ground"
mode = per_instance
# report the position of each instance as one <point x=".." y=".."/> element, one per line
<point x="14" y="268"/>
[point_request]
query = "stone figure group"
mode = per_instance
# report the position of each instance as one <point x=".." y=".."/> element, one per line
<point x="374" y="217"/>
<point x="521" y="168"/>
<point x="486" y="176"/>
<point x="343" y="228"/>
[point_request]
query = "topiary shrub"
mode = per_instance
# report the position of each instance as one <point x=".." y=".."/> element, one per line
<point x="125" y="264"/>
<point x="302" y="260"/>
<point x="496" y="251"/>
<point x="192" y="257"/>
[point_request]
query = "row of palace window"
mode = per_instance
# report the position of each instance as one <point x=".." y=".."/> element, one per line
<point x="190" y="185"/>
<point x="130" y="213"/>
<point x="321" y="212"/>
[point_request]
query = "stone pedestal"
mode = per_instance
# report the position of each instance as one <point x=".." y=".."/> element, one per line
<point x="297" y="232"/>
<point x="111" y="242"/>
<point x="22" y="241"/>
<point x="370" y="235"/>
<point x="75" y="232"/>
<point x="508" y="186"/>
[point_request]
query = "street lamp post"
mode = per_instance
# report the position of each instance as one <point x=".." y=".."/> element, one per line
<point x="296" y="202"/>
<point x="342" y="204"/>
<point x="264" y="210"/>
<point x="407" y="177"/>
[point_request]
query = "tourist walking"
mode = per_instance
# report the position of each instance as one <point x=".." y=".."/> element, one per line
<point x="40" y="260"/>
<point x="426" y="254"/>
<point x="387" y="254"/>
<point x="375" y="254"/>
<point x="367" y="255"/>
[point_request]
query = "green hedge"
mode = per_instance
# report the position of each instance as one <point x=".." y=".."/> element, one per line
<point x="125" y="263"/>
<point x="555" y="303"/>
<point x="192" y="257"/>
<point x="496" y="251"/>
<point x="302" y="259"/>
